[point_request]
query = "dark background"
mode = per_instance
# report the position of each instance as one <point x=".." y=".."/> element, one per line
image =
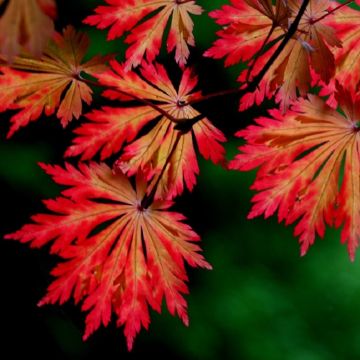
<point x="261" y="300"/>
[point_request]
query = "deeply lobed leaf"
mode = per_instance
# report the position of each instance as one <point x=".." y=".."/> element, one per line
<point x="145" y="37"/>
<point x="347" y="57"/>
<point x="301" y="156"/>
<point x="111" y="127"/>
<point x="51" y="83"/>
<point x="252" y="32"/>
<point x="118" y="256"/>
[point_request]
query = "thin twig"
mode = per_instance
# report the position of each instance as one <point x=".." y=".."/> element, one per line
<point x="134" y="97"/>
<point x="180" y="2"/>
<point x="257" y="79"/>
<point x="331" y="12"/>
<point x="240" y="91"/>
<point x="260" y="52"/>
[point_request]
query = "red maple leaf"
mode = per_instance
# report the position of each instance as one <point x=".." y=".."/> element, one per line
<point x="301" y="155"/>
<point x="111" y="127"/>
<point x="50" y="83"/>
<point x="347" y="23"/>
<point x="347" y="57"/>
<point x="251" y="26"/>
<point x="119" y="257"/>
<point x="146" y="36"/>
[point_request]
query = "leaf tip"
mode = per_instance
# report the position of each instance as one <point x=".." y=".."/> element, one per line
<point x="303" y="251"/>
<point x="42" y="302"/>
<point x="130" y="342"/>
<point x="185" y="320"/>
<point x="9" y="236"/>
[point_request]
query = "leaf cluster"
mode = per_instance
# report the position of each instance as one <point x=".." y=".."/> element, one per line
<point x="123" y="250"/>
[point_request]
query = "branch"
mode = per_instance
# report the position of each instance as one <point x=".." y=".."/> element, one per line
<point x="257" y="79"/>
<point x="186" y="124"/>
<point x="291" y="32"/>
<point x="260" y="52"/>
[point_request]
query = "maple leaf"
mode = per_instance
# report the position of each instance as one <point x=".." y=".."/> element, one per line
<point x="119" y="257"/>
<point x="51" y="83"/>
<point x="246" y="25"/>
<point x="110" y="127"/>
<point x="250" y="28"/>
<point x="301" y="156"/>
<point x="26" y="24"/>
<point x="146" y="36"/>
<point x="347" y="57"/>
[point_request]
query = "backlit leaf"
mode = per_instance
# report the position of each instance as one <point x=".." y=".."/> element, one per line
<point x="145" y="37"/>
<point x="248" y="25"/>
<point x="50" y="84"/>
<point x="309" y="166"/>
<point x="110" y="127"/>
<point x="119" y="257"/>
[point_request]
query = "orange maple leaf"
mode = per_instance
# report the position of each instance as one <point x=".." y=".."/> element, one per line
<point x="347" y="57"/>
<point x="26" y="24"/>
<point x="110" y="127"/>
<point x="301" y="155"/>
<point x="51" y="83"/>
<point x="249" y="25"/>
<point x="119" y="257"/>
<point x="146" y="36"/>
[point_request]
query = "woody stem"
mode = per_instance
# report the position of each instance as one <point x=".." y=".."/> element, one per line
<point x="257" y="79"/>
<point x="258" y="54"/>
<point x="240" y="91"/>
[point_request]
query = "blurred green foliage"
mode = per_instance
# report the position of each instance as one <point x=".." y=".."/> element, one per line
<point x="260" y="302"/>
